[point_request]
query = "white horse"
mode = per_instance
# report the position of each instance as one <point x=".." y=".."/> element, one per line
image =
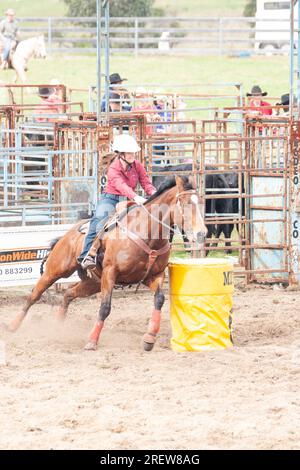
<point x="24" y="51"/>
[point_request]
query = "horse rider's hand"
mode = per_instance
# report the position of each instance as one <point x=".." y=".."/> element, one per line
<point x="139" y="200"/>
<point x="121" y="206"/>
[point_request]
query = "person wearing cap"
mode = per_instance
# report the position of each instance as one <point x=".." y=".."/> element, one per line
<point x="51" y="103"/>
<point x="119" y="99"/>
<point x="123" y="175"/>
<point x="257" y="106"/>
<point x="9" y="36"/>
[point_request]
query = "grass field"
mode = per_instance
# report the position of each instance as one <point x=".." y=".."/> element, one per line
<point x="202" y="7"/>
<point x="170" y="7"/>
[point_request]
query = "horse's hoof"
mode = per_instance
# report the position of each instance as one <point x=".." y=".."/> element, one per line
<point x="90" y="346"/>
<point x="148" y="341"/>
<point x="14" y="325"/>
<point x="148" y="346"/>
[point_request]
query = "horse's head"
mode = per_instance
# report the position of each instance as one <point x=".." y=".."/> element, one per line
<point x="40" y="48"/>
<point x="187" y="212"/>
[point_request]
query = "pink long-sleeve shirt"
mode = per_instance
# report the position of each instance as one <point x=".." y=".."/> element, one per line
<point x="123" y="182"/>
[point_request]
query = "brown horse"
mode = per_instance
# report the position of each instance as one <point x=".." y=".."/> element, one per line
<point x="135" y="250"/>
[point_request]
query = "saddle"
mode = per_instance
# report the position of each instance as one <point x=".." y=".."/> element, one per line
<point x="122" y="208"/>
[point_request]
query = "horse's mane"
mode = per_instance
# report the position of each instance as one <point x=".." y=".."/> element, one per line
<point x="169" y="183"/>
<point x="31" y="38"/>
<point x="25" y="41"/>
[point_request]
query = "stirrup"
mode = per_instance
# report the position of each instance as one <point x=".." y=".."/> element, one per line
<point x="88" y="262"/>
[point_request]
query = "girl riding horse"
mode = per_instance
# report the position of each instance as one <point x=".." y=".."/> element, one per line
<point x="135" y="250"/>
<point x="123" y="175"/>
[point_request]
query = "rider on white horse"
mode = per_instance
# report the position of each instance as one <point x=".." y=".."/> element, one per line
<point x="9" y="35"/>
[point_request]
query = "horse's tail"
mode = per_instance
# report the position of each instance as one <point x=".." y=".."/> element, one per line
<point x="52" y="245"/>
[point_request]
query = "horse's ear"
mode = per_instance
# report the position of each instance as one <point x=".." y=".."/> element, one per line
<point x="179" y="183"/>
<point x="192" y="181"/>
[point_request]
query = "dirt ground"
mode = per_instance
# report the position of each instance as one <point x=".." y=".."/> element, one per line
<point x="54" y="395"/>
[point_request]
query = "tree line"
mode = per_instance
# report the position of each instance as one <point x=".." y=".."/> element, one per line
<point x="140" y="8"/>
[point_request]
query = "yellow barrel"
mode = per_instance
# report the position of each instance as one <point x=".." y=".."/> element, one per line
<point x="201" y="303"/>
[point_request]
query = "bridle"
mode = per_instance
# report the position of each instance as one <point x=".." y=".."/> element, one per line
<point x="191" y="192"/>
<point x="178" y="203"/>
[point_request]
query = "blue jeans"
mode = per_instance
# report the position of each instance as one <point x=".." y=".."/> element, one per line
<point x="6" y="48"/>
<point x="106" y="206"/>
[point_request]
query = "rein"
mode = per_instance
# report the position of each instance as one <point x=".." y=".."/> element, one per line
<point x="178" y="202"/>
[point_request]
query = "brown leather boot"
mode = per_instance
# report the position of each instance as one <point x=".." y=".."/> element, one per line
<point x="94" y="248"/>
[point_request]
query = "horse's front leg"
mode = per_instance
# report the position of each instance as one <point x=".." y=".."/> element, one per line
<point x="107" y="284"/>
<point x="155" y="285"/>
<point x="20" y="72"/>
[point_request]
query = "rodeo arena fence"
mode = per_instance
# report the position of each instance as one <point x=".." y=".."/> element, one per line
<point x="237" y="36"/>
<point x="51" y="172"/>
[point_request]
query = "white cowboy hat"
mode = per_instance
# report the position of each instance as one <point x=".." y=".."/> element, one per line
<point x="10" y="12"/>
<point x="141" y="91"/>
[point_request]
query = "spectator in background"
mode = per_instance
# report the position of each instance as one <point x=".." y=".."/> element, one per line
<point x="165" y="115"/>
<point x="258" y="107"/>
<point x="163" y="111"/>
<point x="9" y="36"/>
<point x="144" y="104"/>
<point x="285" y="103"/>
<point x="119" y="99"/>
<point x="58" y="92"/>
<point x="51" y="103"/>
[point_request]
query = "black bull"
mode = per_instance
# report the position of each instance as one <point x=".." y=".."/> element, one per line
<point x="215" y="183"/>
